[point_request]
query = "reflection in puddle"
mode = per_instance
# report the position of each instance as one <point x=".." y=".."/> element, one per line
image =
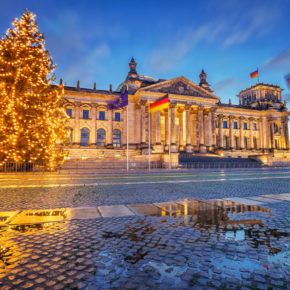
<point x="40" y="216"/>
<point x="5" y="255"/>
<point x="215" y="221"/>
<point x="10" y="252"/>
<point x="47" y="227"/>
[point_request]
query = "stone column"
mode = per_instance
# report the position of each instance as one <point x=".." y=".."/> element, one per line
<point x="180" y="138"/>
<point x="143" y="125"/>
<point x="242" y="145"/>
<point x="251" y="133"/>
<point x="260" y="139"/>
<point x="205" y="125"/>
<point x="76" y="131"/>
<point x="187" y="121"/>
<point x="124" y="131"/>
<point x="132" y="120"/>
<point x="166" y="131"/>
<point x="202" y="147"/>
<point x="286" y="133"/>
<point x="172" y="128"/>
<point x="194" y="138"/>
<point x="158" y="128"/>
<point x="158" y="146"/>
<point x="110" y="130"/>
<point x="272" y="133"/>
<point x="266" y="133"/>
<point x="137" y="126"/>
<point x="93" y="133"/>
<point x="213" y="114"/>
<point x="231" y="137"/>
<point x="209" y="130"/>
<point x="221" y="143"/>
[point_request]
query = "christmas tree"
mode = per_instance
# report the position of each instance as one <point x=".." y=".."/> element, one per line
<point x="31" y="114"/>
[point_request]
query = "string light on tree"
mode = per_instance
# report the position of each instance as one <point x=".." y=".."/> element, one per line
<point x="32" y="117"/>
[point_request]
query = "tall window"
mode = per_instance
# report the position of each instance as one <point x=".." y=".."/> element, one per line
<point x="225" y="124"/>
<point x="225" y="142"/>
<point x="70" y="137"/>
<point x="85" y="137"/>
<point x="245" y="126"/>
<point x="117" y="138"/>
<point x="255" y="143"/>
<point x="69" y="112"/>
<point x="246" y="142"/>
<point x="236" y="140"/>
<point x="276" y="129"/>
<point x="86" y="114"/>
<point x="117" y="116"/>
<point x="102" y="115"/>
<point x="101" y="137"/>
<point x="255" y="126"/>
<point x="235" y="125"/>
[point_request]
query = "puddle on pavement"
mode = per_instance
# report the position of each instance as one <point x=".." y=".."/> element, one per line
<point x="222" y="220"/>
<point x="10" y="252"/>
<point x="40" y="216"/>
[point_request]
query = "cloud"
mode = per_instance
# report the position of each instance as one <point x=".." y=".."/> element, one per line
<point x="286" y="97"/>
<point x="280" y="60"/>
<point x="244" y="26"/>
<point x="236" y="22"/>
<point x="167" y="55"/>
<point x="87" y="66"/>
<point x="226" y="84"/>
<point x="82" y="53"/>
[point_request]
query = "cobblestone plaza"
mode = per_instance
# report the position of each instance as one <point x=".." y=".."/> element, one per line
<point x="163" y="230"/>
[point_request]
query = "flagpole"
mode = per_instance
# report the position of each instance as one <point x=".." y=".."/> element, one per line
<point x="149" y="167"/>
<point x="127" y="138"/>
<point x="169" y="145"/>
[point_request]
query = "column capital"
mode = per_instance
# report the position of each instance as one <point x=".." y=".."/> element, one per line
<point x="180" y="109"/>
<point x="77" y="104"/>
<point x="231" y="117"/>
<point x="187" y="107"/>
<point x="221" y="116"/>
<point x="242" y="118"/>
<point x="143" y="102"/>
<point x="172" y="105"/>
<point x="200" y="107"/>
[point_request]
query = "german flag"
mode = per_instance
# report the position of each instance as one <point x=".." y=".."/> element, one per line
<point x="160" y="104"/>
<point x="254" y="74"/>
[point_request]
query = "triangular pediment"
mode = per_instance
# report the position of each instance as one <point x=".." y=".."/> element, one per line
<point x="180" y="86"/>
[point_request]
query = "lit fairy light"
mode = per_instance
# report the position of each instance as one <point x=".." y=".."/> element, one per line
<point x="32" y="117"/>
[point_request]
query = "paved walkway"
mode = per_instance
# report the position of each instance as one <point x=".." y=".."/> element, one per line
<point x="201" y="234"/>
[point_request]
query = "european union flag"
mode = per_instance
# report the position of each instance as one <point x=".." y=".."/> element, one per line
<point x="120" y="102"/>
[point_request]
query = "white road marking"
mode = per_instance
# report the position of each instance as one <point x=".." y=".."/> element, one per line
<point x="139" y="182"/>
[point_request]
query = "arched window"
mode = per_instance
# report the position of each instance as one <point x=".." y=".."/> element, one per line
<point x="69" y="139"/>
<point x="117" y="138"/>
<point x="101" y="137"/>
<point x="276" y="129"/>
<point x="85" y="137"/>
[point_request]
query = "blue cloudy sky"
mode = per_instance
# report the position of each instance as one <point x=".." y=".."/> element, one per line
<point x="94" y="40"/>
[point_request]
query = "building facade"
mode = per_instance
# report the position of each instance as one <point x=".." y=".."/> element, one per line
<point x="195" y="121"/>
